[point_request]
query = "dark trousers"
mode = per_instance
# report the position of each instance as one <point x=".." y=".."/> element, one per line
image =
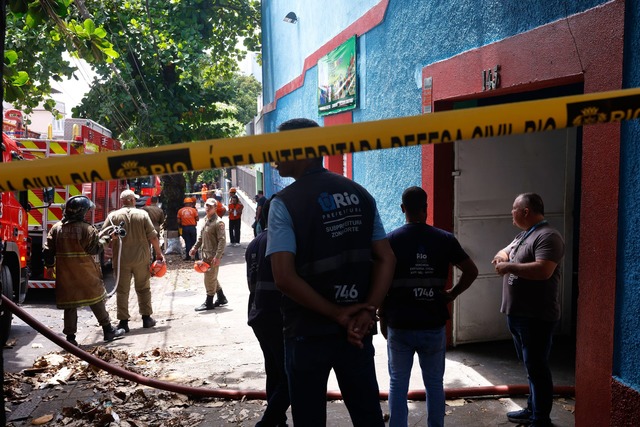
<point x="309" y="361"/>
<point x="271" y="341"/>
<point x="234" y="230"/>
<point x="532" y="339"/>
<point x="190" y="235"/>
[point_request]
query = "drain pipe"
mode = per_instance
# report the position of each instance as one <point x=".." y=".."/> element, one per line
<point x="499" y="390"/>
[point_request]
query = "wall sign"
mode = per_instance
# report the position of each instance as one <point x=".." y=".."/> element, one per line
<point x="427" y="94"/>
<point x="337" y="79"/>
<point x="491" y="78"/>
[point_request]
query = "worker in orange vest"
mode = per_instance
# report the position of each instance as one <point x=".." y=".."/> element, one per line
<point x="187" y="219"/>
<point x="235" y="217"/>
<point x="204" y="193"/>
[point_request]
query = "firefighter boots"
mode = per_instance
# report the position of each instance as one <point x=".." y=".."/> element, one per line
<point x="111" y="333"/>
<point x="124" y="325"/>
<point x="72" y="340"/>
<point x="207" y="304"/>
<point x="148" y="322"/>
<point x="222" y="300"/>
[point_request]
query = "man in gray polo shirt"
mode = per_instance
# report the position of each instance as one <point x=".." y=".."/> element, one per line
<point x="530" y="267"/>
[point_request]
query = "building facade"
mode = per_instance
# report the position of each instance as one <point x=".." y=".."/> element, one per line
<point x="414" y="57"/>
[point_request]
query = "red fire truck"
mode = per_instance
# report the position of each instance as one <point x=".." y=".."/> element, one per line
<point x="146" y="187"/>
<point x="44" y="206"/>
<point x="14" y="242"/>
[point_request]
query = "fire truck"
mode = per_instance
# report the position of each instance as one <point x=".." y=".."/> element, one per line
<point x="14" y="242"/>
<point x="146" y="187"/>
<point x="44" y="205"/>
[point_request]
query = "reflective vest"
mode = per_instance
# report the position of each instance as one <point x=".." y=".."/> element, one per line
<point x="333" y="223"/>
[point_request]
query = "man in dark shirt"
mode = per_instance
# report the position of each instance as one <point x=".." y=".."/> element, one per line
<point x="260" y="200"/>
<point x="331" y="259"/>
<point x="265" y="319"/>
<point x="415" y="311"/>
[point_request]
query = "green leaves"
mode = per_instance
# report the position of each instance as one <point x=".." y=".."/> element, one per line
<point x="41" y="30"/>
<point x="15" y="78"/>
<point x="172" y="53"/>
<point x="93" y="46"/>
<point x="37" y="12"/>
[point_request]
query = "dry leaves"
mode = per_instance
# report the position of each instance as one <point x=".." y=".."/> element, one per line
<point x="116" y="401"/>
<point x="456" y="402"/>
<point x="42" y="420"/>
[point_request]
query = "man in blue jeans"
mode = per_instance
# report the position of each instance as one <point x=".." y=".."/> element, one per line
<point x="530" y="267"/>
<point x="331" y="259"/>
<point x="415" y="311"/>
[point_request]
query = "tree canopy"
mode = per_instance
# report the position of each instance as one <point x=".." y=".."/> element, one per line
<point x="35" y="34"/>
<point x="168" y="85"/>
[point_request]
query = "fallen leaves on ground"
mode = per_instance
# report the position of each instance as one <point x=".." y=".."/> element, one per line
<point x="114" y="399"/>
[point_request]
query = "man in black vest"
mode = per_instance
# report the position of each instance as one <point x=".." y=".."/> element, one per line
<point x="416" y="308"/>
<point x="331" y="259"/>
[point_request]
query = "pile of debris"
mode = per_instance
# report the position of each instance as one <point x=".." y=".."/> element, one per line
<point x="107" y="400"/>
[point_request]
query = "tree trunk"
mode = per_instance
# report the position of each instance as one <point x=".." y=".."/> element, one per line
<point x="172" y="197"/>
<point x="192" y="177"/>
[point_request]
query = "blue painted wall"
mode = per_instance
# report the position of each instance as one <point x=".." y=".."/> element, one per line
<point x="285" y="46"/>
<point x="413" y="34"/>
<point x="627" y="328"/>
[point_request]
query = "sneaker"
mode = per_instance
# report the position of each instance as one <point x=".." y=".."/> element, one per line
<point x="522" y="416"/>
<point x="148" y="322"/>
<point x="124" y="325"/>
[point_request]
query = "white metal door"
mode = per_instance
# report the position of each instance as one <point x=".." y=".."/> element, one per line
<point x="489" y="174"/>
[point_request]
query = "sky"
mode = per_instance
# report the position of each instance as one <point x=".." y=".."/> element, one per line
<point x="72" y="91"/>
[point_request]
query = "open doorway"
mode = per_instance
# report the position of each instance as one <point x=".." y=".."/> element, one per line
<point x="488" y="174"/>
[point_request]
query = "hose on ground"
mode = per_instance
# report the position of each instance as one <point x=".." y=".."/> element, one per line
<point x="495" y="390"/>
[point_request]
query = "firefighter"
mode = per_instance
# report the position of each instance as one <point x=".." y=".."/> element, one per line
<point x="187" y="220"/>
<point x="211" y="242"/>
<point x="71" y="244"/>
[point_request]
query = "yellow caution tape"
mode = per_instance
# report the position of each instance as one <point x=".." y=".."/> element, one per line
<point x="447" y="126"/>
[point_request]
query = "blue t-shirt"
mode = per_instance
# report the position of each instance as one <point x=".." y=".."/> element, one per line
<point x="282" y="238"/>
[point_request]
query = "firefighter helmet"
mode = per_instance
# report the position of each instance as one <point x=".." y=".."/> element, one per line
<point x="232" y="190"/>
<point x="201" y="266"/>
<point x="76" y="208"/>
<point x="188" y="200"/>
<point x="158" y="268"/>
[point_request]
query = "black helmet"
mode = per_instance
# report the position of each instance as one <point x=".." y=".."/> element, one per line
<point x="76" y="208"/>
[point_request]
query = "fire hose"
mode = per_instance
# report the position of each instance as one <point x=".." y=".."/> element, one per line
<point x="120" y="232"/>
<point x="461" y="392"/>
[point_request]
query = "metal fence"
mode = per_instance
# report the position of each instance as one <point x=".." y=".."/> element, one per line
<point x="246" y="180"/>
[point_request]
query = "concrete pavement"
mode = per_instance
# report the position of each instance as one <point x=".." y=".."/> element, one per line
<point x="229" y="357"/>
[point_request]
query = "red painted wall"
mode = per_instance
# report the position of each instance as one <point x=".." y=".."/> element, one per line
<point x="544" y="57"/>
<point x="437" y="164"/>
<point x="336" y="163"/>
